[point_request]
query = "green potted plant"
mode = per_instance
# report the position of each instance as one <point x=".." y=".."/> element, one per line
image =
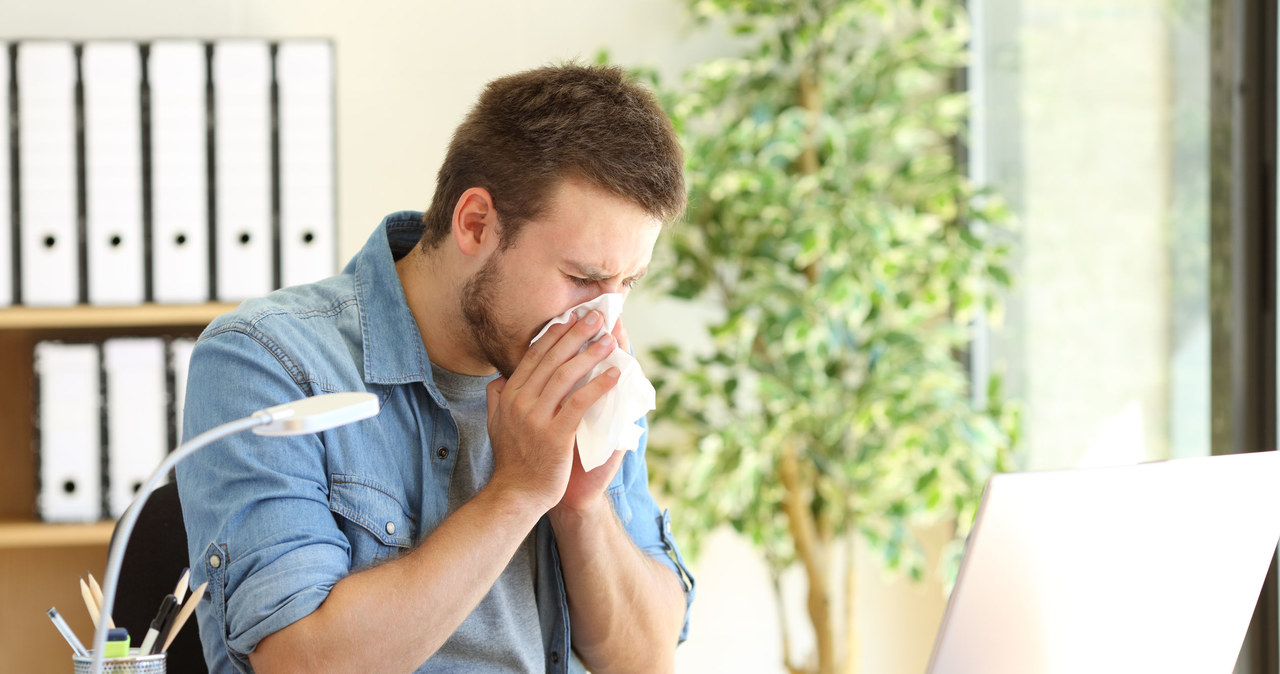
<point x="833" y="229"/>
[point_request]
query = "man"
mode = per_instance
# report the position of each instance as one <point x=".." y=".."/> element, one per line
<point x="456" y="530"/>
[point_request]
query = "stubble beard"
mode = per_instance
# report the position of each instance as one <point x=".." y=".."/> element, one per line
<point x="478" y="305"/>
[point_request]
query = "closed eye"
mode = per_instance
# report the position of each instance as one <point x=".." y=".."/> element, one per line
<point x="584" y="281"/>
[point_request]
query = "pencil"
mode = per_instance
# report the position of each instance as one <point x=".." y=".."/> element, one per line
<point x="97" y="596"/>
<point x="181" y="590"/>
<point x="187" y="608"/>
<point x="89" y="603"/>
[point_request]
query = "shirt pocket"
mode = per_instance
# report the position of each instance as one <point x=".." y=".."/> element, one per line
<point x="376" y="523"/>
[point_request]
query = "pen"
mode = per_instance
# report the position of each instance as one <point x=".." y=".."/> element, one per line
<point x="67" y="634"/>
<point x="97" y="597"/>
<point x="89" y="603"/>
<point x="163" y="616"/>
<point x="187" y="609"/>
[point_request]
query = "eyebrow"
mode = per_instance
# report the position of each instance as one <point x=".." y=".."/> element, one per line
<point x="594" y="273"/>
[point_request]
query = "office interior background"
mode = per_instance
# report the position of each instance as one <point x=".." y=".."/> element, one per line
<point x="1096" y="121"/>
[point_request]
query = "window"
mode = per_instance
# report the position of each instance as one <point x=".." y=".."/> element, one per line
<point x="1092" y="120"/>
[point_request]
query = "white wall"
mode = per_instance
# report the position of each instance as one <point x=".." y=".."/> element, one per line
<point x="406" y="71"/>
<point x="406" y="74"/>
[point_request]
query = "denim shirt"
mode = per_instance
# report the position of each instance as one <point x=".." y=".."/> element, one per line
<point x="274" y="523"/>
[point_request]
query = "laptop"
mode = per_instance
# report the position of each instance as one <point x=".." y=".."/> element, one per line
<point x="1153" y="567"/>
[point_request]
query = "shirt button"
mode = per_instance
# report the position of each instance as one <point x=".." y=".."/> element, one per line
<point x="555" y="657"/>
<point x="442" y="453"/>
<point x="391" y="528"/>
<point x="215" y="561"/>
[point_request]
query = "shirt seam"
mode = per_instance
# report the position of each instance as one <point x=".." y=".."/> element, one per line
<point x="252" y="332"/>
<point x="250" y="328"/>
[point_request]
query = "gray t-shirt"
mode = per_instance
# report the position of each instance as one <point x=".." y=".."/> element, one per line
<point x="503" y="632"/>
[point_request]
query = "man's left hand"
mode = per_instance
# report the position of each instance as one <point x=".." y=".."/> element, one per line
<point x="586" y="488"/>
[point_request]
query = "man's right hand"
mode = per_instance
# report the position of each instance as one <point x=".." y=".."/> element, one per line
<point x="533" y="418"/>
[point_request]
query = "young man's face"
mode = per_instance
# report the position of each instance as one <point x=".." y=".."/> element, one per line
<point x="587" y="243"/>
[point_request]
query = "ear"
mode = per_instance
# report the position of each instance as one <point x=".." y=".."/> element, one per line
<point x="475" y="222"/>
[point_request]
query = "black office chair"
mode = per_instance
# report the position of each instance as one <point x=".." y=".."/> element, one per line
<point x="153" y="562"/>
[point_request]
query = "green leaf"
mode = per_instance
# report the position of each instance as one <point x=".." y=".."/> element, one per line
<point x="843" y="253"/>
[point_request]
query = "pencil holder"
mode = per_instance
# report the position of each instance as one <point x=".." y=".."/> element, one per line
<point x="134" y="664"/>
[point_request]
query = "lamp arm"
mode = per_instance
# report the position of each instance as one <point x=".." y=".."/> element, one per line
<point x="124" y="529"/>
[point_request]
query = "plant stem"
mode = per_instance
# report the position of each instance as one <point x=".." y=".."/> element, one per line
<point x="775" y="576"/>
<point x="809" y="94"/>
<point x="853" y="651"/>
<point x="812" y="554"/>
<point x="809" y="97"/>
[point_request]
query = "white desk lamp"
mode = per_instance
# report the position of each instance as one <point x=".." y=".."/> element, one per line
<point x="309" y="415"/>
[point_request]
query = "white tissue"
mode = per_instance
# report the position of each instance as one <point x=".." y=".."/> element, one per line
<point x="611" y="424"/>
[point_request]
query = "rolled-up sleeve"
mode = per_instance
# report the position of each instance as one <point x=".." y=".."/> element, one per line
<point x="648" y="525"/>
<point x="256" y="508"/>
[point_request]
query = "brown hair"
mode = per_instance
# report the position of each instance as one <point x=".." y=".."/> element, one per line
<point x="531" y="130"/>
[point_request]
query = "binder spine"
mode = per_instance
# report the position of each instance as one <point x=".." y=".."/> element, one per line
<point x="68" y="431"/>
<point x="274" y="230"/>
<point x="304" y="72"/>
<point x="136" y="408"/>
<point x="177" y="168"/>
<point x="51" y="212"/>
<point x="112" y="75"/>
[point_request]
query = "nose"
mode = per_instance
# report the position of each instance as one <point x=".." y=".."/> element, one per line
<point x="602" y="289"/>
<point x="594" y="290"/>
<point x="614" y="286"/>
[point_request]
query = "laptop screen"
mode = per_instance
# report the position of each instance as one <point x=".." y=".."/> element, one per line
<point x="1154" y="567"/>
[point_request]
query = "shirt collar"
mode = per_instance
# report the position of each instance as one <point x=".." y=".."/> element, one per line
<point x="393" y="348"/>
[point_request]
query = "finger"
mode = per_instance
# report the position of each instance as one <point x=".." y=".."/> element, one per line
<point x="577" y="404"/>
<point x="538" y="350"/>
<point x="611" y="467"/>
<point x="567" y="347"/>
<point x="606" y="471"/>
<point x="494" y="394"/>
<point x="566" y="377"/>
<point x="620" y="334"/>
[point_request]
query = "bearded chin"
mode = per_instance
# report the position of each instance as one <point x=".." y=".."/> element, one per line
<point x="477" y="306"/>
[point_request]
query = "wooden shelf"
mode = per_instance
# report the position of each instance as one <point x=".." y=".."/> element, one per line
<point x="28" y="535"/>
<point x="40" y="561"/>
<point x="95" y="317"/>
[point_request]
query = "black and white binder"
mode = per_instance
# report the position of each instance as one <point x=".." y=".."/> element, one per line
<point x="177" y="77"/>
<point x="47" y="167"/>
<point x="112" y="80"/>
<point x="304" y="76"/>
<point x="69" y="438"/>
<point x="136" y="413"/>
<point x="244" y="249"/>
<point x="7" y="268"/>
